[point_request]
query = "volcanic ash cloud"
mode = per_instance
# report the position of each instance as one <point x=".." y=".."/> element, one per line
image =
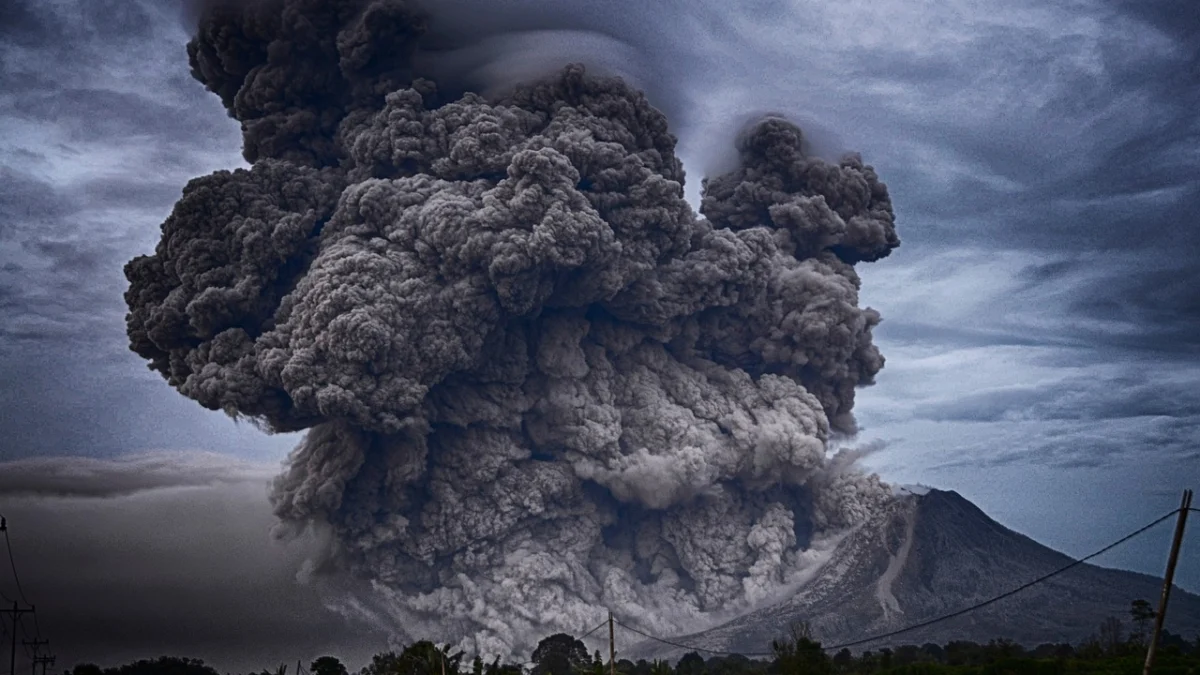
<point x="537" y="385"/>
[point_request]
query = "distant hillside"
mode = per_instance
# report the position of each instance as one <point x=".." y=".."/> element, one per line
<point x="932" y="554"/>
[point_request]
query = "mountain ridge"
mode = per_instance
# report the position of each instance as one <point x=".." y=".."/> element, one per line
<point x="927" y="555"/>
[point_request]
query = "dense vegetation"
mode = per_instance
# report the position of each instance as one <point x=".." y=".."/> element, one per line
<point x="1117" y="648"/>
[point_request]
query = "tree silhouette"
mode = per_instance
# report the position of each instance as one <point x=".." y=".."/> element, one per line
<point x="164" y="665"/>
<point x="597" y="665"/>
<point x="691" y="664"/>
<point x="384" y="663"/>
<point x="843" y="660"/>
<point x="799" y="654"/>
<point x="560" y="654"/>
<point x="885" y="658"/>
<point x="1142" y="614"/>
<point x="1105" y="653"/>
<point x="497" y="668"/>
<point x="419" y="658"/>
<point x="327" y="665"/>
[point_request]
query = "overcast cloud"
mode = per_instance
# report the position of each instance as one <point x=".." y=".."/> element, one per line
<point x="1041" y="319"/>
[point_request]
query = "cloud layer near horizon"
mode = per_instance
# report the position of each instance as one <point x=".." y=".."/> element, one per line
<point x="166" y="554"/>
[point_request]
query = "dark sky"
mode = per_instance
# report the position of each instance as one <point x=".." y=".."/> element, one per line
<point x="1041" y="319"/>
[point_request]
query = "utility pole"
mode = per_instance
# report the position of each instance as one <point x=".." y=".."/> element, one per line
<point x="612" y="648"/>
<point x="1184" y="506"/>
<point x="16" y="613"/>
<point x="36" y="643"/>
<point x="44" y="660"/>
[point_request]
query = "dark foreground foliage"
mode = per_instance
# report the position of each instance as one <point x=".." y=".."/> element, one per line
<point x="1111" y="651"/>
<point x="800" y="656"/>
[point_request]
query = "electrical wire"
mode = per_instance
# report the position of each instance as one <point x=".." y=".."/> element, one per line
<point x="12" y="562"/>
<point x="688" y="646"/>
<point x="24" y="630"/>
<point x="37" y="627"/>
<point x="4" y="524"/>
<point x="21" y="593"/>
<point x="1013" y="592"/>
<point x="602" y="625"/>
<point x="944" y="617"/>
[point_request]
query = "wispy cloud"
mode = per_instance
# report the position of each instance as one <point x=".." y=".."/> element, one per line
<point x="128" y="474"/>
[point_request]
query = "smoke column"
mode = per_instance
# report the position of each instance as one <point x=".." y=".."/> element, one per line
<point x="536" y="384"/>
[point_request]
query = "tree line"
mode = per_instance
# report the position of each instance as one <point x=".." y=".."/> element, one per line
<point x="1117" y="648"/>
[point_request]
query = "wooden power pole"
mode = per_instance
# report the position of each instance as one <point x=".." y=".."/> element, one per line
<point x="16" y="613"/>
<point x="37" y="644"/>
<point x="44" y="660"/>
<point x="612" y="648"/>
<point x="1184" y="506"/>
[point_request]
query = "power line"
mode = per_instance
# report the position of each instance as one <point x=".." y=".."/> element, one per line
<point x="37" y="628"/>
<point x="44" y="661"/>
<point x="688" y="646"/>
<point x="602" y="625"/>
<point x="15" y="613"/>
<point x="944" y="617"/>
<point x="13" y="563"/>
<point x="1014" y="591"/>
<point x="25" y="631"/>
<point x="4" y="528"/>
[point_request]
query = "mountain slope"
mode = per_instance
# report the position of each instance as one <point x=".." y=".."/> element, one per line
<point x="929" y="555"/>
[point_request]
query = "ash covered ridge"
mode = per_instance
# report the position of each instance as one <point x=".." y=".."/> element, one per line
<point x="537" y="385"/>
<point x="928" y="554"/>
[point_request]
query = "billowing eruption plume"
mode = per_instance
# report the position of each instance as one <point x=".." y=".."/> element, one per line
<point x="538" y="386"/>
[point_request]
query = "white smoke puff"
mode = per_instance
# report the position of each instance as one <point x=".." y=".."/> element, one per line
<point x="538" y="385"/>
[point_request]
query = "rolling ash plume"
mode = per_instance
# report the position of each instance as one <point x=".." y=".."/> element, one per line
<point x="536" y="384"/>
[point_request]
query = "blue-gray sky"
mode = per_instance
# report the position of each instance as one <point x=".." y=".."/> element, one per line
<point x="1041" y="319"/>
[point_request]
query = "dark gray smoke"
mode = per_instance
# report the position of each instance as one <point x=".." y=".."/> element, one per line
<point x="538" y="386"/>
